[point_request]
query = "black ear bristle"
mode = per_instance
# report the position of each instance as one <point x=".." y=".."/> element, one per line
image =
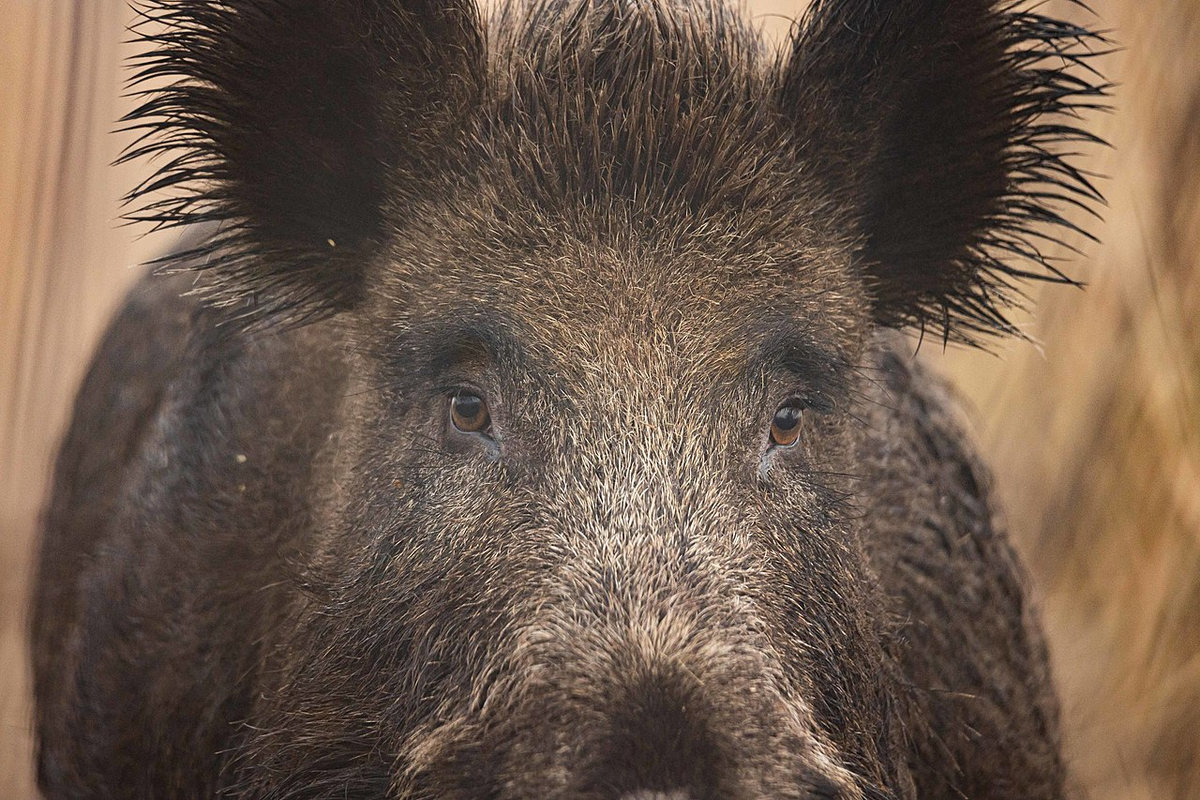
<point x="946" y="127"/>
<point x="936" y="128"/>
<point x="286" y="125"/>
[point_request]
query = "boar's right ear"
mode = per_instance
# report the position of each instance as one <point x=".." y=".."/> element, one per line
<point x="936" y="127"/>
<point x="290" y="124"/>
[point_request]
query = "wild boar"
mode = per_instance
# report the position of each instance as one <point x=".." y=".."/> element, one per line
<point x="529" y="417"/>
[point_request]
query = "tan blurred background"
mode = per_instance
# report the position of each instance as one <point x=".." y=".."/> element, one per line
<point x="1094" y="437"/>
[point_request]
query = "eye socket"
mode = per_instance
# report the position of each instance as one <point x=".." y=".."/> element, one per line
<point x="469" y="413"/>
<point x="785" y="425"/>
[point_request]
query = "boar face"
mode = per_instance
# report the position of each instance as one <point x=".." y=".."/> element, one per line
<point x="627" y="548"/>
<point x="601" y="276"/>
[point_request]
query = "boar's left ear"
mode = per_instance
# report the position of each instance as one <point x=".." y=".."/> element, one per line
<point x="290" y="124"/>
<point x="934" y="125"/>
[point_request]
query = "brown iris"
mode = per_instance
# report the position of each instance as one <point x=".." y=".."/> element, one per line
<point x="785" y="426"/>
<point x="469" y="413"/>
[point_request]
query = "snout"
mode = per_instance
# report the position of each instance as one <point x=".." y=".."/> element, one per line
<point x="653" y="702"/>
<point x="655" y="735"/>
<point x="709" y="727"/>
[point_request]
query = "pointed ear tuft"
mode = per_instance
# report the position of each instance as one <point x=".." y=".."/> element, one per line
<point x="937" y="126"/>
<point x="289" y="124"/>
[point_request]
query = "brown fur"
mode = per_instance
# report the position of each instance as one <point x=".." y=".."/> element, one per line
<point x="272" y="568"/>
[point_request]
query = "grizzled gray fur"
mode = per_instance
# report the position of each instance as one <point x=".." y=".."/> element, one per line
<point x="526" y="418"/>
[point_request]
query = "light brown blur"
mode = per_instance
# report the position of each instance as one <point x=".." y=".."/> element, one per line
<point x="1094" y="438"/>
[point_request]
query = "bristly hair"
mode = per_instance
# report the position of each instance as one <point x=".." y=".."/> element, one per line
<point x="946" y="127"/>
<point x="277" y="122"/>
<point x="664" y="105"/>
<point x="930" y="131"/>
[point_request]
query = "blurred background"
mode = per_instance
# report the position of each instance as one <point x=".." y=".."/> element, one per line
<point x="1093" y="433"/>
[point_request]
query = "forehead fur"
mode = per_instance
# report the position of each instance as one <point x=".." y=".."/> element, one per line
<point x="590" y="303"/>
<point x="663" y="108"/>
<point x="630" y="167"/>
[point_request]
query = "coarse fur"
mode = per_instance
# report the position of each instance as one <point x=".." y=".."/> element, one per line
<point x="933" y="130"/>
<point x="273" y="567"/>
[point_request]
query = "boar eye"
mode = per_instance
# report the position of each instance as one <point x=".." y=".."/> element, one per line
<point x="785" y="426"/>
<point x="469" y="413"/>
